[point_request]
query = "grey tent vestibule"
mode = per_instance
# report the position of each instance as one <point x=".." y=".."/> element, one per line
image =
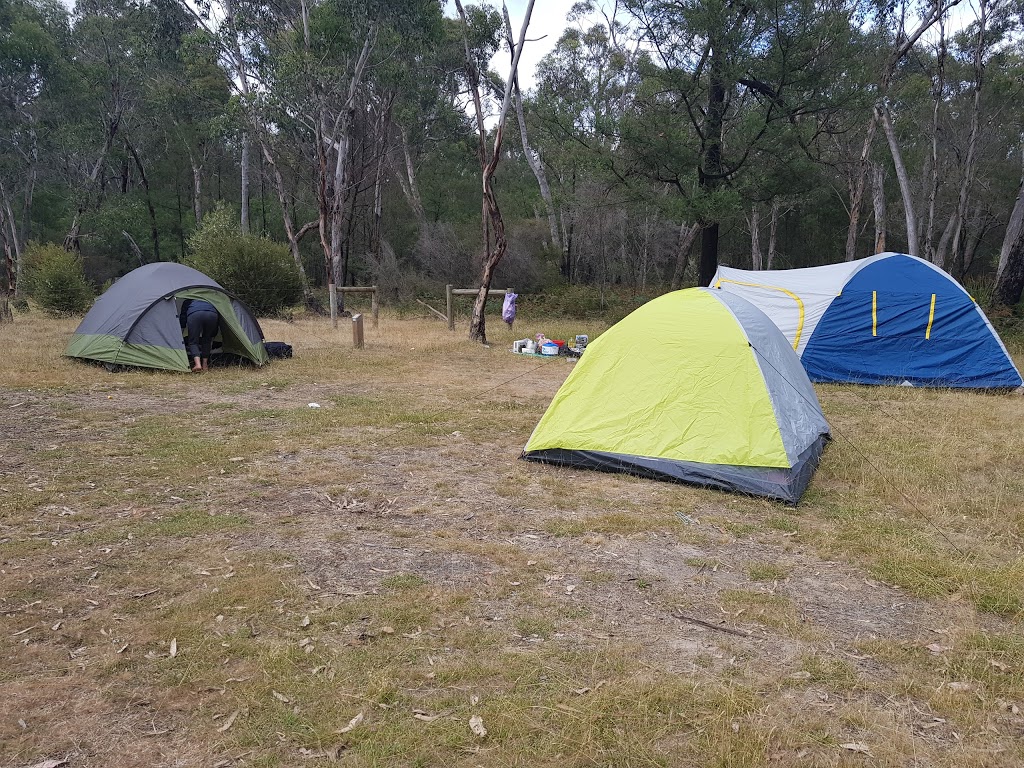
<point x="135" y="322"/>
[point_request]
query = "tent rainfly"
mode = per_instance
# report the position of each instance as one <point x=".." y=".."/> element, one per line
<point x="696" y="386"/>
<point x="135" y="322"/>
<point x="886" y="319"/>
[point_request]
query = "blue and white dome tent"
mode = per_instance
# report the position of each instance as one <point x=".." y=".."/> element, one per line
<point x="887" y="319"/>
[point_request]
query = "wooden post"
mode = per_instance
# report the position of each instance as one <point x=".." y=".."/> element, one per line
<point x="332" y="290"/>
<point x="357" y="331"/>
<point x="375" y="306"/>
<point x="451" y="307"/>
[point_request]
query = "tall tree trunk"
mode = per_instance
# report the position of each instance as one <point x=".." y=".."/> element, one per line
<point x="913" y="242"/>
<point x="938" y="91"/>
<point x="154" y="232"/>
<point x="942" y="249"/>
<point x="1010" y="272"/>
<point x="407" y="180"/>
<point x="12" y="250"/>
<point x="244" y="220"/>
<point x="972" y="142"/>
<point x="477" y="327"/>
<point x="531" y="156"/>
<point x="6" y="316"/>
<point x="71" y="240"/>
<point x="334" y="142"/>
<point x="197" y="188"/>
<point x="711" y="171"/>
<point x="773" y="231"/>
<point x="858" y="184"/>
<point x="687" y="235"/>
<point x="979" y="226"/>
<point x="878" y="202"/>
<point x="756" y="256"/>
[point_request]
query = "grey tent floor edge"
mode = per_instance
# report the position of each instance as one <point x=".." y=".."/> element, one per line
<point x="778" y="483"/>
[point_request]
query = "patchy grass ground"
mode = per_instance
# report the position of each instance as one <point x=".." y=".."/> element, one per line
<point x="202" y="570"/>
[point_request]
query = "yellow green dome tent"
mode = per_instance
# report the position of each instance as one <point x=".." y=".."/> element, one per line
<point x="696" y="386"/>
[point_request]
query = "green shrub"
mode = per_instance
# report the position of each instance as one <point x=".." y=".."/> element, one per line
<point x="258" y="271"/>
<point x="56" y="280"/>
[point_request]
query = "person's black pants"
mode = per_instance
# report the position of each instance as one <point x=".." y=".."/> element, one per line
<point x="202" y="327"/>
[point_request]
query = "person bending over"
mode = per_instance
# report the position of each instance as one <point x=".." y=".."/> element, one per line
<point x="203" y="323"/>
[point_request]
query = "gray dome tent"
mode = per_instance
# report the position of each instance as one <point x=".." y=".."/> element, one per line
<point x="135" y="322"/>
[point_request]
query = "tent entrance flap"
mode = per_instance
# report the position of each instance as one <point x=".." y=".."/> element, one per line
<point x="232" y="336"/>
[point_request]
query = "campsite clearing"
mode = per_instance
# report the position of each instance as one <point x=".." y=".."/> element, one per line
<point x="240" y="592"/>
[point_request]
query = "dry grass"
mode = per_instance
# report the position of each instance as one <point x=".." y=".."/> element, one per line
<point x="203" y="570"/>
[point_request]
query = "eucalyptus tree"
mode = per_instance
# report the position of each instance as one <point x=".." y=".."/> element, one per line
<point x="733" y="85"/>
<point x="302" y="70"/>
<point x="491" y="212"/>
<point x="111" y="42"/>
<point x="585" y="87"/>
<point x="34" y="34"/>
<point x="896" y="28"/>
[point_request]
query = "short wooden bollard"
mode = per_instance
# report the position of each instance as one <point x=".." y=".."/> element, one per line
<point x="357" y="331"/>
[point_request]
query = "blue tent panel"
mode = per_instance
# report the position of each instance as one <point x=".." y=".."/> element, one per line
<point x="901" y="320"/>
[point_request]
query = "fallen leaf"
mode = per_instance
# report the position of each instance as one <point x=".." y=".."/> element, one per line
<point x="387" y="630"/>
<point x="418" y="715"/>
<point x="281" y="697"/>
<point x="305" y="621"/>
<point x="856" y="746"/>
<point x="956" y="686"/>
<point x="236" y="458"/>
<point x="351" y="723"/>
<point x="229" y="722"/>
<point x="997" y="664"/>
<point x="570" y="589"/>
<point x="581" y="691"/>
<point x="174" y="647"/>
<point x="476" y="725"/>
<point x="937" y="648"/>
<point x="51" y="763"/>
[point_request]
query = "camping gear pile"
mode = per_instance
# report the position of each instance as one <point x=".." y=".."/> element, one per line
<point x="545" y="347"/>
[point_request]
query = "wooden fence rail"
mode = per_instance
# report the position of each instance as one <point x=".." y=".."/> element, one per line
<point x="374" y="303"/>
<point x="451" y="293"/>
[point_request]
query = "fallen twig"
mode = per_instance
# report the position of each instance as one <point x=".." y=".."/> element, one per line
<point x="709" y="625"/>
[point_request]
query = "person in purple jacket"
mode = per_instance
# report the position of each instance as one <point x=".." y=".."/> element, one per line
<point x="202" y="321"/>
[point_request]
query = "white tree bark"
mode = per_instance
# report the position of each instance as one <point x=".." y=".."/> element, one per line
<point x="902" y="177"/>
<point x="938" y="90"/>
<point x="754" y="222"/>
<point x="1011" y="254"/>
<point x="244" y="219"/>
<point x="773" y="231"/>
<point x="878" y="202"/>
<point x="904" y="44"/>
<point x="971" y="161"/>
<point x="532" y="157"/>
